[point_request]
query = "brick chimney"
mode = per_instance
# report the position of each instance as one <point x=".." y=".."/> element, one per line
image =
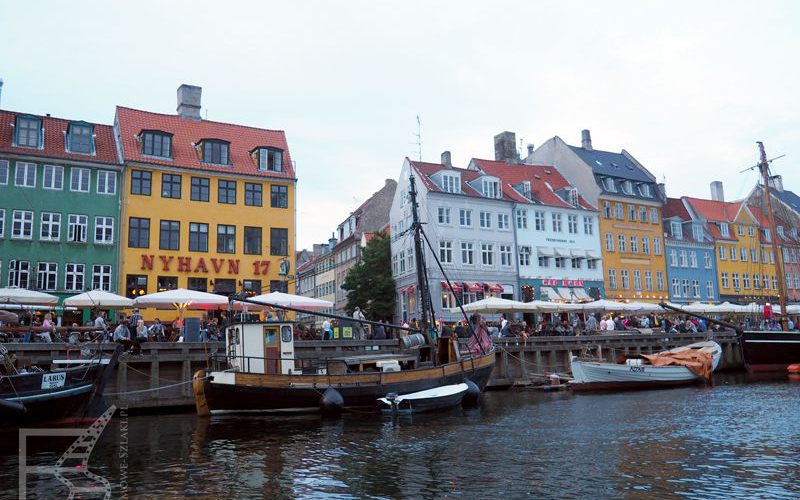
<point x="586" y="140"/>
<point x="776" y="183"/>
<point x="505" y="147"/>
<point x="189" y="101"/>
<point x="717" y="194"/>
<point x="530" y="149"/>
<point x="446" y="160"/>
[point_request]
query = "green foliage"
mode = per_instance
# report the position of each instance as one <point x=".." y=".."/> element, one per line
<point x="369" y="284"/>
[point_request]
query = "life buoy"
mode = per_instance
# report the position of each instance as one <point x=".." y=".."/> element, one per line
<point x="795" y="368"/>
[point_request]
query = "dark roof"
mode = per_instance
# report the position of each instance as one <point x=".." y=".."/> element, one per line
<point x="612" y="164"/>
<point x="788" y="197"/>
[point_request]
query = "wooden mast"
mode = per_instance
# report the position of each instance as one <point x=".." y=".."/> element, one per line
<point x="782" y="293"/>
<point x="426" y="321"/>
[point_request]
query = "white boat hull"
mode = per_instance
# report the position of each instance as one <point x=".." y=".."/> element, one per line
<point x="590" y="375"/>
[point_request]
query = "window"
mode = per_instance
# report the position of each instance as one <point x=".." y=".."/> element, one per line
<point x="101" y="277"/>
<point x="654" y="215"/>
<point x="697" y="232"/>
<point x="279" y="196"/>
<point x="201" y="284"/>
<point x="685" y="287"/>
<point x="138" y="233"/>
<point x="4" y="171"/>
<point x="751" y="231"/>
<point x="676" y="229"/>
<point x="744" y="254"/>
<point x="279" y="241"/>
<point x="609" y="242"/>
<point x="487" y="254"/>
<point x="754" y="255"/>
<point x="503" y="221"/>
<point x="505" y="255"/>
<point x="448" y="300"/>
<point x="22" y="225"/>
<point x="693" y="259"/>
<point x="767" y="235"/>
<point x="646" y="245"/>
<point x="608" y="184"/>
<point x="450" y="184"/>
<point x="623" y="274"/>
<point x="106" y="182"/>
<point x="684" y="259"/>
<point x="446" y="252"/>
<point x="710" y="289"/>
<point x="252" y="241"/>
<point x="723" y="253"/>
<point x="591" y="263"/>
<point x="740" y="230"/>
<point x="485" y="220"/>
<point x="572" y="224"/>
<point x="765" y="281"/>
<point x="77" y="228"/>
<point x="607" y="209"/>
<point x="637" y="279"/>
<point x="556" y="220"/>
<point x="612" y="279"/>
<point x="644" y="190"/>
<point x="774" y="282"/>
<point x="53" y="177"/>
<point x="46" y="276"/>
<point x="576" y="263"/>
<point x="270" y="159"/>
<point x="621" y="242"/>
<point x="632" y="213"/>
<point x="467" y="254"/>
<point x="725" y="281"/>
<point x="170" y="186"/>
<point x="522" y="218"/>
<point x="756" y="281"/>
<point x="104" y="230"/>
<point x="444" y="215"/>
<point x="170" y="235"/>
<point x="538" y="219"/>
<point x="79" y="179"/>
<point x="642" y="214"/>
<point x="524" y="256"/>
<point x="736" y="281"/>
<point x="25" y="175"/>
<point x="707" y="260"/>
<point x="676" y="288"/>
<point x="29" y="132"/>
<point x="226" y="239"/>
<point x="135" y="285"/>
<point x="544" y="261"/>
<point x="215" y="152"/>
<point x="723" y="229"/>
<point x="588" y="225"/>
<point x="50" y="228"/>
<point x="673" y="258"/>
<point x="164" y="283"/>
<point x="252" y="194"/>
<point x="619" y="211"/>
<point x="199" y="190"/>
<point x="561" y="262"/>
<point x="627" y="187"/>
<point x="656" y="246"/>
<point x="80" y="138"/>
<point x="157" y="144"/>
<point x="227" y="192"/>
<point x="746" y="281"/>
<point x="198" y="237"/>
<point x="465" y="218"/>
<point x="660" y="280"/>
<point x="634" y="243"/>
<point x="2" y="222"/>
<point x="648" y="281"/>
<point x="19" y="272"/>
<point x="141" y="182"/>
<point x="491" y="189"/>
<point x="73" y="278"/>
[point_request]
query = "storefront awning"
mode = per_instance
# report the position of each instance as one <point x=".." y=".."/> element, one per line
<point x="578" y="253"/>
<point x="592" y="254"/>
<point x="562" y="252"/>
<point x="545" y="251"/>
<point x="581" y="294"/>
<point x="408" y="290"/>
<point x="550" y="293"/>
<point x="456" y="287"/>
<point x="473" y="287"/>
<point x="568" y="293"/>
<point x="494" y="287"/>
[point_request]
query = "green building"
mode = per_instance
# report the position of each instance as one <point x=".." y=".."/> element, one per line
<point x="59" y="204"/>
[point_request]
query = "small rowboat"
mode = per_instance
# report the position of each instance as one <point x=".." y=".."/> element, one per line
<point x="438" y="398"/>
<point x="642" y="373"/>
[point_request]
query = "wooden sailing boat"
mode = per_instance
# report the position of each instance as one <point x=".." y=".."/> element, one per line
<point x="771" y="350"/>
<point x="259" y="371"/>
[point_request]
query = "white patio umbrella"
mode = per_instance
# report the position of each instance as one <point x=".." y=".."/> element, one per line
<point x="726" y="308"/>
<point x="542" y="306"/>
<point x="14" y="295"/>
<point x="699" y="308"/>
<point x="604" y="305"/>
<point x="644" y="307"/>
<point x="288" y="300"/>
<point x="492" y="305"/>
<point x="793" y="309"/>
<point x="181" y="299"/>
<point x="100" y="299"/>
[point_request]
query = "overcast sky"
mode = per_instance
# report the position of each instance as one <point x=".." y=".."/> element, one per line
<point x="686" y="87"/>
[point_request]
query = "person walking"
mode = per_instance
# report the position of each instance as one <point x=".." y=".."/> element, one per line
<point x="358" y="315"/>
<point x="50" y="328"/>
<point x="326" y="330"/>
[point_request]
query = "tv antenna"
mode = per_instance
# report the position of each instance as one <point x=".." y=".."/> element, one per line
<point x="418" y="135"/>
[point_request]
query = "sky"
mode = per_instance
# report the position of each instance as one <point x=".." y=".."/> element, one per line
<point x="686" y="87"/>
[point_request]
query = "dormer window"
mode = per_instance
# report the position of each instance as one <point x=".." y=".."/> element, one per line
<point x="644" y="190"/>
<point x="794" y="232"/>
<point x="270" y="159"/>
<point x="526" y="189"/>
<point x="29" y="133"/>
<point x="697" y="232"/>
<point x="491" y="189"/>
<point x="627" y="188"/>
<point x="780" y="231"/>
<point x="450" y="184"/>
<point x="724" y="230"/>
<point x="215" y="151"/>
<point x="609" y="185"/>
<point x="157" y="144"/>
<point x="676" y="229"/>
<point x="80" y="138"/>
<point x="767" y="235"/>
<point x="574" y="200"/>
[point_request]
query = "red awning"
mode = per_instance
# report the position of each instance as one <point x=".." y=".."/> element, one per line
<point x="494" y="287"/>
<point x="456" y="286"/>
<point x="473" y="286"/>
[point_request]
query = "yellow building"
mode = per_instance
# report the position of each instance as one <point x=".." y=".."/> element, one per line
<point x="744" y="257"/>
<point x="206" y="206"/>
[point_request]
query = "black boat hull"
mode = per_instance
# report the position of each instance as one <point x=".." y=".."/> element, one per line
<point x="770" y="351"/>
<point x="425" y="404"/>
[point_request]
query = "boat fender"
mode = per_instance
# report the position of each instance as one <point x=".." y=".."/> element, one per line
<point x="12" y="406"/>
<point x="331" y="403"/>
<point x="472" y="395"/>
<point x="795" y="368"/>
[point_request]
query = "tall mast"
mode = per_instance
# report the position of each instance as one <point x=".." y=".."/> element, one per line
<point x="764" y="168"/>
<point x="422" y="276"/>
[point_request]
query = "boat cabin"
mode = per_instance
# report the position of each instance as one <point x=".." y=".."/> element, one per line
<point x="266" y="348"/>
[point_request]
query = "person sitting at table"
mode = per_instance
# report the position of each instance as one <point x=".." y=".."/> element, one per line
<point x="122" y="334"/>
<point x="156" y="331"/>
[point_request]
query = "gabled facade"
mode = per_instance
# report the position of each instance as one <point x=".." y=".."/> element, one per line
<point x="468" y="218"/>
<point x="630" y="203"/>
<point x="691" y="262"/>
<point x="207" y="206"/>
<point x="556" y="229"/>
<point x="59" y="204"/>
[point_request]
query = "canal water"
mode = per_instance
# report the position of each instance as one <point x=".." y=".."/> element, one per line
<point x="739" y="439"/>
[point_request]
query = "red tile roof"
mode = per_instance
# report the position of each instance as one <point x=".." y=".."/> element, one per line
<point x="425" y="170"/>
<point x="55" y="140"/>
<point x="544" y="181"/>
<point x="719" y="211"/>
<point x="675" y="208"/>
<point x="242" y="139"/>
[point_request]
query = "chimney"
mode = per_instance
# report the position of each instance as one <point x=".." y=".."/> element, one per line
<point x="332" y="242"/>
<point x="776" y="183"/>
<point x="586" y="140"/>
<point x="716" y="191"/>
<point x="505" y="147"/>
<point x="1" y="91"/>
<point x="530" y="149"/>
<point x="662" y="188"/>
<point x="189" y="101"/>
<point x="446" y="161"/>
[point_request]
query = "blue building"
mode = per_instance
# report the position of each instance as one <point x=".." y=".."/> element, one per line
<point x="691" y="266"/>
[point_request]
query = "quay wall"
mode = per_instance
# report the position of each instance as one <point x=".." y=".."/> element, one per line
<point x="167" y="366"/>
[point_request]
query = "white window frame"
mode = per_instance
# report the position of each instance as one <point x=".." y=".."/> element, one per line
<point x="80" y="173"/>
<point x="467" y="249"/>
<point x="506" y="256"/>
<point x="485" y="221"/>
<point x="106" y="182"/>
<point x="539" y="222"/>
<point x="50" y="224"/>
<point x="446" y="252"/>
<point x="45" y="271"/>
<point x="26" y="218"/>
<point x="15" y="273"/>
<point x="503" y="222"/>
<point x="80" y="221"/>
<point x="28" y="180"/>
<point x="524" y="256"/>
<point x="71" y="277"/>
<point x="57" y="172"/>
<point x="107" y="229"/>
<point x="5" y="172"/>
<point x="487" y="254"/>
<point x="572" y="224"/>
<point x="588" y="225"/>
<point x="522" y="218"/>
<point x="465" y="217"/>
<point x="444" y="215"/>
<point x="2" y="222"/>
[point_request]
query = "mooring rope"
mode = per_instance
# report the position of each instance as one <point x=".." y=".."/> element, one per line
<point x="170" y="386"/>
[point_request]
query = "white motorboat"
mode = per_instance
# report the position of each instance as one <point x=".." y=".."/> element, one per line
<point x="680" y="366"/>
<point x="438" y="398"/>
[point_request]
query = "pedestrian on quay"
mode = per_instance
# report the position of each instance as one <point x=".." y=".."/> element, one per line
<point x="101" y="326"/>
<point x="49" y="327"/>
<point x="326" y="330"/>
<point x="380" y="332"/>
<point x="133" y="319"/>
<point x="590" y="325"/>
<point x="122" y="334"/>
<point x="358" y="315"/>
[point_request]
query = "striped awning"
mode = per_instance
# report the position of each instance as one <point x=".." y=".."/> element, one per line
<point x="494" y="287"/>
<point x="455" y="288"/>
<point x="473" y="286"/>
<point x="550" y="293"/>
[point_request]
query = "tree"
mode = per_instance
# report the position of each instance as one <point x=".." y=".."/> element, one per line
<point x="369" y="284"/>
